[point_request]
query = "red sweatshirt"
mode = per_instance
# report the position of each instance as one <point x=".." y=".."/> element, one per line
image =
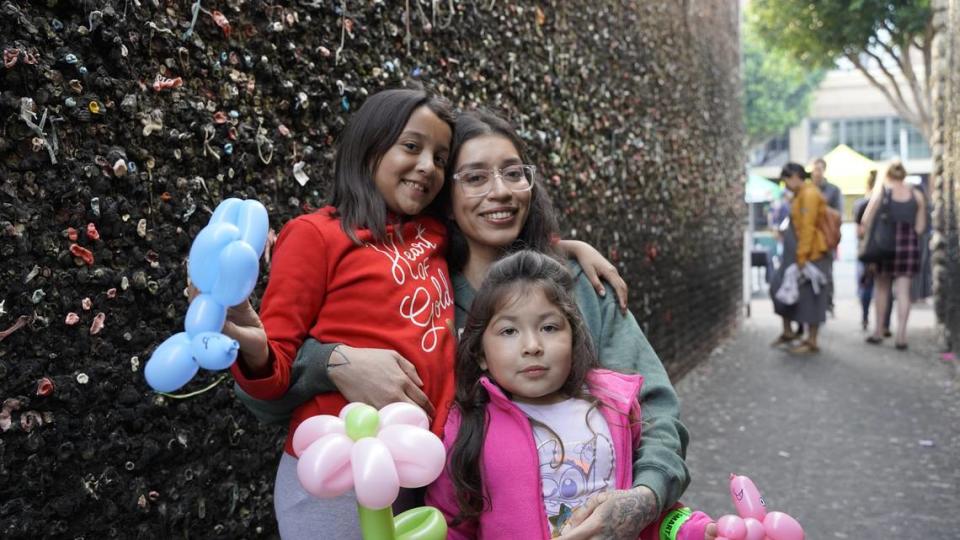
<point x="390" y="295"/>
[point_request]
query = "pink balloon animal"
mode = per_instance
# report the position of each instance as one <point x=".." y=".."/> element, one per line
<point x="754" y="522"/>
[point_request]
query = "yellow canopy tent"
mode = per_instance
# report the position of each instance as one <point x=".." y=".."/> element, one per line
<point x="848" y="169"/>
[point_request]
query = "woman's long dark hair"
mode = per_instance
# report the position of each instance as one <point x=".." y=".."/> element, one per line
<point x="540" y="230"/>
<point x="370" y="133"/>
<point x="510" y="277"/>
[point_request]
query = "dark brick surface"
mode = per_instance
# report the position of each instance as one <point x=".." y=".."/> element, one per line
<point x="630" y="109"/>
<point x="945" y="245"/>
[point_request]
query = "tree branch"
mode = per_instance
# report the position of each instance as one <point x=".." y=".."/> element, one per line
<point x="886" y="26"/>
<point x="899" y="106"/>
<point x="891" y="33"/>
<point x="890" y="77"/>
<point x="927" y="49"/>
<point x="919" y="95"/>
<point x="896" y="55"/>
<point x="900" y="53"/>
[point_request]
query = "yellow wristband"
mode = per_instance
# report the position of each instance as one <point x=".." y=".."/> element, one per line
<point x="672" y="522"/>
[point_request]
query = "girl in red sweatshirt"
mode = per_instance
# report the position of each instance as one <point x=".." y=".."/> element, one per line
<point x="368" y="271"/>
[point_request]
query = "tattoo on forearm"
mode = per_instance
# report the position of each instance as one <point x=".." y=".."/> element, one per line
<point x="629" y="514"/>
<point x="331" y="363"/>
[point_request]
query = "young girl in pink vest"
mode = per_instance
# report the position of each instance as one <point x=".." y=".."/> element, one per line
<point x="538" y="428"/>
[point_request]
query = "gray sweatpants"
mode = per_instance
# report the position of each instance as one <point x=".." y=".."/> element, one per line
<point x="303" y="516"/>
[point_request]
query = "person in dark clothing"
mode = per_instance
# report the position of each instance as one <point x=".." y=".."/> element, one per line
<point x="830" y="191"/>
<point x="865" y="273"/>
<point x="908" y="211"/>
<point x="834" y="198"/>
<point x="804" y="244"/>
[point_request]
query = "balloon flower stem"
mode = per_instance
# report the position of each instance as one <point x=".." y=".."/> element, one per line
<point x="198" y="392"/>
<point x="376" y="523"/>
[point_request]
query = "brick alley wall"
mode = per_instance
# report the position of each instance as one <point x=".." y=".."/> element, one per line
<point x="122" y="129"/>
<point x="946" y="158"/>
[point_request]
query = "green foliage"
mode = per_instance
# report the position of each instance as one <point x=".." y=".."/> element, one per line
<point x="817" y="32"/>
<point x="777" y="90"/>
<point x="879" y="37"/>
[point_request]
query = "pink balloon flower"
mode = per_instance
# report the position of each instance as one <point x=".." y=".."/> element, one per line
<point x="375" y="453"/>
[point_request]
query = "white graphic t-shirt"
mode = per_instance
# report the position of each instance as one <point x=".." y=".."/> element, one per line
<point x="582" y="466"/>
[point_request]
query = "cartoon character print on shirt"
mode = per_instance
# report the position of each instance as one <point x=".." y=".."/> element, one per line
<point x="570" y="481"/>
<point x="431" y="296"/>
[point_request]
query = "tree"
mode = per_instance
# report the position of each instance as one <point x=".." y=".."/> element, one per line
<point x="883" y="39"/>
<point x="776" y="89"/>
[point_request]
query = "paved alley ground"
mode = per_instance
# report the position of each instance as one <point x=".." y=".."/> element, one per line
<point x="859" y="441"/>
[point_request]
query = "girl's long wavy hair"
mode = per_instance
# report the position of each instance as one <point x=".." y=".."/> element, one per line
<point x="369" y="134"/>
<point x="540" y="229"/>
<point x="510" y="278"/>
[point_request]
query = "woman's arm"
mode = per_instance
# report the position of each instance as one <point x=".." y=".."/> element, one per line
<point x="596" y="267"/>
<point x="374" y="376"/>
<point x="920" y="223"/>
<point x="308" y="377"/>
<point x="619" y="514"/>
<point x="608" y="515"/>
<point x="622" y="346"/>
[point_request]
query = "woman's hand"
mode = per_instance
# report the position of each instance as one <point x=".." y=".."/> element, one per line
<point x="244" y="325"/>
<point x="612" y="515"/>
<point x="376" y="377"/>
<point x="596" y="266"/>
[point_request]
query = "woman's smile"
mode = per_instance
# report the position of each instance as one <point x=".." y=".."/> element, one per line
<point x="500" y="216"/>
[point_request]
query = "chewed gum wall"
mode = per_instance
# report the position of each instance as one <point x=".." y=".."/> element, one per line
<point x="123" y="123"/>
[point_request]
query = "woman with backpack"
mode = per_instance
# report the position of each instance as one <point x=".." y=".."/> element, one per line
<point x="906" y="208"/>
<point x="799" y="286"/>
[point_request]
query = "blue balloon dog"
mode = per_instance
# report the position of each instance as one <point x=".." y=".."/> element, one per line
<point x="223" y="265"/>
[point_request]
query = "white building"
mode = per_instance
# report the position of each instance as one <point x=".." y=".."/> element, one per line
<point x="848" y="109"/>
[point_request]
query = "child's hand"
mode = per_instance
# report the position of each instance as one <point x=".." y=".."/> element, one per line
<point x="711" y="532"/>
<point x="612" y="515"/>
<point x="243" y="324"/>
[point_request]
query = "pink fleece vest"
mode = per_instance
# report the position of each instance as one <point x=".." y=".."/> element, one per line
<point x="511" y="466"/>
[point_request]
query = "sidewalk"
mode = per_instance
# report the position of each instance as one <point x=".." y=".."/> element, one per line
<point x="859" y="441"/>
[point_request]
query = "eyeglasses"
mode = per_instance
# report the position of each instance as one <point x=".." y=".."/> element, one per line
<point x="479" y="182"/>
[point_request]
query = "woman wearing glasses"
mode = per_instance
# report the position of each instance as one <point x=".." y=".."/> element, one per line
<point x="497" y="207"/>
